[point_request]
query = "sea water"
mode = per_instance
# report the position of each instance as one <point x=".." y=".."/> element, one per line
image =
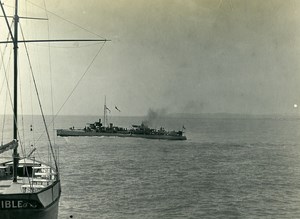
<point x="228" y="168"/>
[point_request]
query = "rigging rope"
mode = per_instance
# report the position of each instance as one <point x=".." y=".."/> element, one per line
<point x="66" y="20"/>
<point x="32" y="120"/>
<point x="2" y="60"/>
<point x="5" y="101"/>
<point x="8" y="90"/>
<point x="39" y="102"/>
<point x="51" y="84"/>
<point x="7" y="85"/>
<point x="4" y="117"/>
<point x="78" y="82"/>
<point x="76" y="85"/>
<point x="22" y="117"/>
<point x="9" y="94"/>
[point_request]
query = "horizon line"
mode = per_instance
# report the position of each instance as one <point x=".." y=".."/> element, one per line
<point x="178" y="114"/>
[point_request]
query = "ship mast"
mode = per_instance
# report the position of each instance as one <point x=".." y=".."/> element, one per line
<point x="104" y="119"/>
<point x="15" y="41"/>
<point x="15" y="116"/>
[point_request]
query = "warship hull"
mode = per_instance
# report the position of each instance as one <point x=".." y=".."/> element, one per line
<point x="81" y="132"/>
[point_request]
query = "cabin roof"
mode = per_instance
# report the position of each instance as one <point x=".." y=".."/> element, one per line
<point x="26" y="162"/>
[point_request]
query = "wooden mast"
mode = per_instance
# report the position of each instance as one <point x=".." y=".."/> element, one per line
<point x="15" y="117"/>
<point x="15" y="42"/>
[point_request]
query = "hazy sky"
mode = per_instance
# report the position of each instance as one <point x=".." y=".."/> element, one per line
<point x="192" y="56"/>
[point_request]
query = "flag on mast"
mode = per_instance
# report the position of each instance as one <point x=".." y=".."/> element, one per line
<point x="107" y="108"/>
<point x="117" y="108"/>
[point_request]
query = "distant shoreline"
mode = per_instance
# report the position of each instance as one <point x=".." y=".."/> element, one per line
<point x="198" y="116"/>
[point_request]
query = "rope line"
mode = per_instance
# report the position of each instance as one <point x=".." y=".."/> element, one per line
<point x="78" y="82"/>
<point x="50" y="71"/>
<point x="50" y="12"/>
<point x="2" y="86"/>
<point x="7" y="85"/>
<point x="40" y="103"/>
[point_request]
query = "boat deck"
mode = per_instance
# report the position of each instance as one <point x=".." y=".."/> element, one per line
<point x="35" y="177"/>
<point x="9" y="187"/>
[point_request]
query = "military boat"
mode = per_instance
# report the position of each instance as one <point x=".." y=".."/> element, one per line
<point x="108" y="129"/>
<point x="136" y="131"/>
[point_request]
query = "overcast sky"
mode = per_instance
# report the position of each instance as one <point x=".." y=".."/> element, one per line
<point x="188" y="56"/>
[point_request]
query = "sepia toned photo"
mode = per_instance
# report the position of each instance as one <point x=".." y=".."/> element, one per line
<point x="162" y="109"/>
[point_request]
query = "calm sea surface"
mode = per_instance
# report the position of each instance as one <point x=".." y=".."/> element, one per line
<point x="228" y="168"/>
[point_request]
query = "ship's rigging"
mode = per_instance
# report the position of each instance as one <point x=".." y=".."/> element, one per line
<point x="29" y="176"/>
